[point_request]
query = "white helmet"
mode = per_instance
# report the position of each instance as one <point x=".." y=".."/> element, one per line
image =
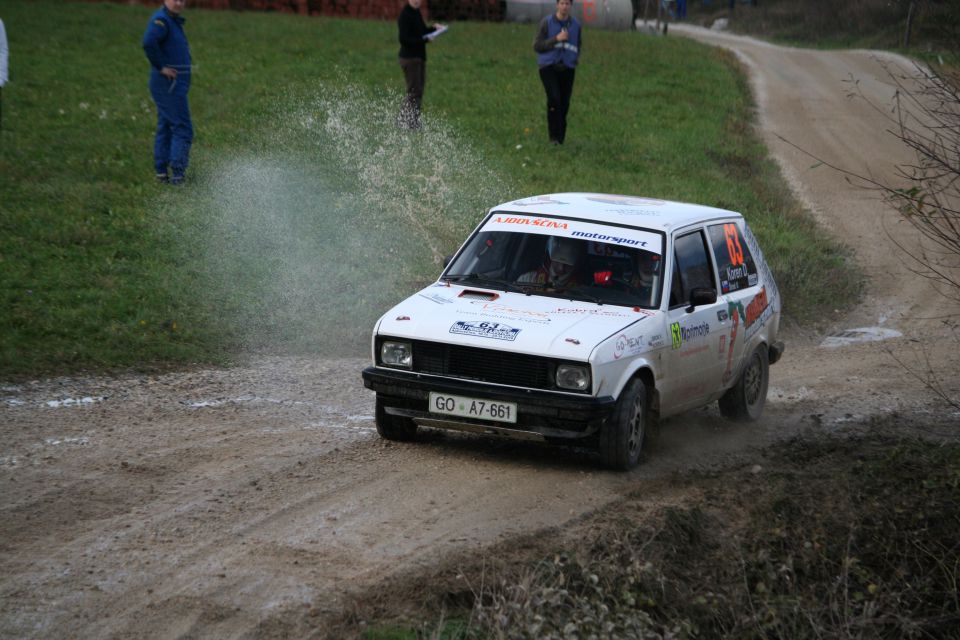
<point x="564" y="255"/>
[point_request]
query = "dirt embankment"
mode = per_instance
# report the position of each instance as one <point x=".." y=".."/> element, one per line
<point x="224" y="503"/>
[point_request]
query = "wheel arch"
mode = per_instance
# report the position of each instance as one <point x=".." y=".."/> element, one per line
<point x="645" y="372"/>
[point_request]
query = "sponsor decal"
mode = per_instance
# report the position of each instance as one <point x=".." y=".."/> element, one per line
<point x="756" y="307"/>
<point x="722" y="315"/>
<point x="545" y="223"/>
<point x="494" y="330"/>
<point x="435" y="297"/>
<point x="656" y="341"/>
<point x="602" y="237"/>
<point x="751" y="241"/>
<point x="625" y="345"/>
<point x="493" y="307"/>
<point x="590" y="312"/>
<point x="723" y="345"/>
<point x="626" y="201"/>
<point x="634" y="212"/>
<point x="685" y="334"/>
<point x="736" y="312"/>
<point x="579" y="229"/>
<point x="532" y="202"/>
<point x="675" y="335"/>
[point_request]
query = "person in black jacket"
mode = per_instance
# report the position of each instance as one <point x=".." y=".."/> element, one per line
<point x="558" y="43"/>
<point x="413" y="61"/>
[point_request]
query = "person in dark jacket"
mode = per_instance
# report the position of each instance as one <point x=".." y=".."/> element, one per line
<point x="413" y="60"/>
<point x="558" y="44"/>
<point x="165" y="44"/>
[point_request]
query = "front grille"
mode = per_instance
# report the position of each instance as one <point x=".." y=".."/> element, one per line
<point x="485" y="365"/>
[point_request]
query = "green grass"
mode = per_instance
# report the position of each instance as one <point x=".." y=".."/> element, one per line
<point x="309" y="213"/>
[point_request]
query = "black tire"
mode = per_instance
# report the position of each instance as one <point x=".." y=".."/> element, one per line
<point x="621" y="437"/>
<point x="744" y="401"/>
<point x="394" y="427"/>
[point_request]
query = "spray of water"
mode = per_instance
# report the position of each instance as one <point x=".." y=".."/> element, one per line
<point x="331" y="215"/>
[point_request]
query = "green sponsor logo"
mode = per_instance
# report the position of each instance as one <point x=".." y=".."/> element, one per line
<point x="676" y="335"/>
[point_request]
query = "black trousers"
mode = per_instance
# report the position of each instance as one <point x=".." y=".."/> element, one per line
<point x="558" y="83"/>
<point x="415" y="74"/>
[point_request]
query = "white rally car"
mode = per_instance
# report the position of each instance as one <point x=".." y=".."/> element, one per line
<point x="582" y="318"/>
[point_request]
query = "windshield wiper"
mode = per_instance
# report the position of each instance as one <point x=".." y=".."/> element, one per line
<point x="579" y="292"/>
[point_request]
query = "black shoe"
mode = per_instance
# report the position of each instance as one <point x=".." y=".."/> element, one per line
<point x="177" y="181"/>
<point x="162" y="178"/>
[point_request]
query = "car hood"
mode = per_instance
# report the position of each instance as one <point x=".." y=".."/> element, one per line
<point x="516" y="322"/>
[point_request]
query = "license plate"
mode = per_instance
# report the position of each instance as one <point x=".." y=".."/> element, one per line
<point x="473" y="407"/>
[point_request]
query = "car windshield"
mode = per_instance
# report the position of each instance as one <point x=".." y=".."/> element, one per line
<point x="588" y="262"/>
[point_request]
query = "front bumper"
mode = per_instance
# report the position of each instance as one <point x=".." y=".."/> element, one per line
<point x="541" y="415"/>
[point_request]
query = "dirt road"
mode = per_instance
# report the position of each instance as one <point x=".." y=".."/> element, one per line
<point x="236" y="502"/>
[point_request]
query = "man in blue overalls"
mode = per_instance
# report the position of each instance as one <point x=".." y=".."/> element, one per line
<point x="165" y="44"/>
<point x="558" y="47"/>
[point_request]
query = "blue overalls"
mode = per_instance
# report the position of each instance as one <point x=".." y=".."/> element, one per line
<point x="165" y="44"/>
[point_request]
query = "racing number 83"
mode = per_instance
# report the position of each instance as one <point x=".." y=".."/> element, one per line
<point x="734" y="249"/>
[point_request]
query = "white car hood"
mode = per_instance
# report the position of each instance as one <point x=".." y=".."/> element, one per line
<point x="516" y="322"/>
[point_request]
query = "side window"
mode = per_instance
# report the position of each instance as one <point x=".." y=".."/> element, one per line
<point x="736" y="265"/>
<point x="691" y="267"/>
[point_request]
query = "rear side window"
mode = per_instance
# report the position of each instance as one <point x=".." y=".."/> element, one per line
<point x="691" y="268"/>
<point x="736" y="265"/>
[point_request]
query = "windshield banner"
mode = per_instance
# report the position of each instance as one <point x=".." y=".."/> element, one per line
<point x="542" y="225"/>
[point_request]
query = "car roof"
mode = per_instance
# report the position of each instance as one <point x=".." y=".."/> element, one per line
<point x="634" y="211"/>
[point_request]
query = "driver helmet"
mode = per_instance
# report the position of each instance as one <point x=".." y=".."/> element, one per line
<point x="564" y="254"/>
<point x="648" y="264"/>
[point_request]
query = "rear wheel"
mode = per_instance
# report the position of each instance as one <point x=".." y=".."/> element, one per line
<point x="621" y="438"/>
<point x="393" y="427"/>
<point x="744" y="401"/>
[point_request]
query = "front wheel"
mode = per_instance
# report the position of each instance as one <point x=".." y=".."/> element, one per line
<point x="745" y="400"/>
<point x="621" y="437"/>
<point x="393" y="427"/>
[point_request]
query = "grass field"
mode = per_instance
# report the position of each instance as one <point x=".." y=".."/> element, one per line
<point x="308" y="212"/>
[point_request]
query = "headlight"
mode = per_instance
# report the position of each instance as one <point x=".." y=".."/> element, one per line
<point x="396" y="354"/>
<point x="570" y="376"/>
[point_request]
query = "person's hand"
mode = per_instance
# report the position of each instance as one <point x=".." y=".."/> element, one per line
<point x="563" y="36"/>
<point x="437" y="25"/>
<point x="169" y="72"/>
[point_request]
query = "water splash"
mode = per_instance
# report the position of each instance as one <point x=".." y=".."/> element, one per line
<point x="331" y="215"/>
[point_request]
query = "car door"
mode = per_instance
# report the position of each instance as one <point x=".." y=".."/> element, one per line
<point x="740" y="291"/>
<point x="694" y="365"/>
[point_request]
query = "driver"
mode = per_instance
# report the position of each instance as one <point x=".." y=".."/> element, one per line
<point x="559" y="268"/>
<point x="647" y="271"/>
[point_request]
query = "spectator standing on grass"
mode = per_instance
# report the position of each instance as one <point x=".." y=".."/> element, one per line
<point x="558" y="44"/>
<point x="413" y="60"/>
<point x="165" y="44"/>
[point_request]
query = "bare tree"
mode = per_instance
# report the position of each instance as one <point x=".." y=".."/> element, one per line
<point x="925" y="116"/>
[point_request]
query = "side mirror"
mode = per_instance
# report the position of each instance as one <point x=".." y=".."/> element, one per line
<point x="700" y="296"/>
